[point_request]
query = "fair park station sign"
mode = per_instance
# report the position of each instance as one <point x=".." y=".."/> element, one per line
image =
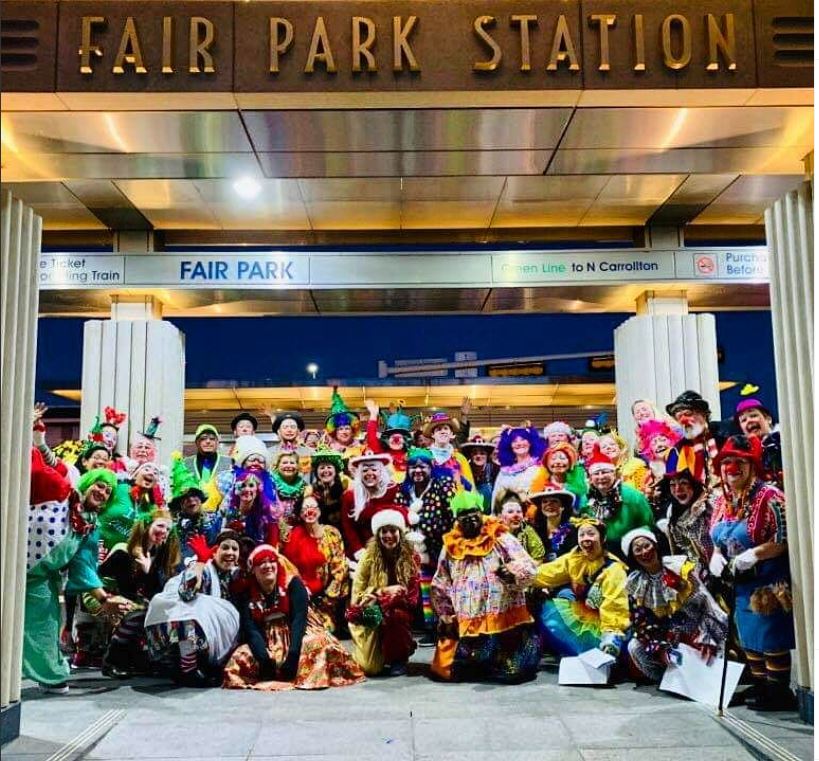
<point x="425" y="269"/>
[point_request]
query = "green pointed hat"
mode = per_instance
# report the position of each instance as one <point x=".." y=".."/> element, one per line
<point x="340" y="414"/>
<point x="183" y="482"/>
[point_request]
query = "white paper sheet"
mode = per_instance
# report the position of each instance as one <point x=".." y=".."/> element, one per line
<point x="596" y="658"/>
<point x="580" y="671"/>
<point x="695" y="679"/>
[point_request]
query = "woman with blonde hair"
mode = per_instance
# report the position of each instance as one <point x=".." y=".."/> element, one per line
<point x="385" y="595"/>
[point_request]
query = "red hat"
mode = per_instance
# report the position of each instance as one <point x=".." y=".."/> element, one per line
<point x="599" y="461"/>
<point x="746" y="447"/>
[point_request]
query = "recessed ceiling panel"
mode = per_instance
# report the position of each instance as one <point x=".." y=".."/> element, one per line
<point x="630" y="199"/>
<point x="406" y="130"/>
<point x="546" y="201"/>
<point x="59" y="208"/>
<point x="745" y="201"/>
<point x="170" y="204"/>
<point x="132" y="132"/>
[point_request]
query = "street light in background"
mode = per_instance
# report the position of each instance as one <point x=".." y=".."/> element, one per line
<point x="313" y="369"/>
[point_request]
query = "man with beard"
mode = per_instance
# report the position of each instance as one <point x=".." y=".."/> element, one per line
<point x="478" y="592"/>
<point x="427" y="494"/>
<point x="207" y="461"/>
<point x="754" y="419"/>
<point x="701" y="439"/>
<point x="617" y="505"/>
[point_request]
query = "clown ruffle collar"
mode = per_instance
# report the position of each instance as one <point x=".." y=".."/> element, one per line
<point x="666" y="591"/>
<point x="458" y="546"/>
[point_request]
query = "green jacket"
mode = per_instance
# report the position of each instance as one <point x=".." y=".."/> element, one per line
<point x="528" y="537"/>
<point x="633" y="512"/>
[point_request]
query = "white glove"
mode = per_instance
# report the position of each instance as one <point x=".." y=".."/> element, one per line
<point x="353" y="565"/>
<point x="413" y="518"/>
<point x="358" y="554"/>
<point x="717" y="564"/>
<point x="745" y="560"/>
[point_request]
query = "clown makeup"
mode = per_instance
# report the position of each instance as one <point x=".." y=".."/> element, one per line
<point x="146" y="477"/>
<point x="470" y="523"/>
<point x="370" y="473"/>
<point x="608" y="446"/>
<point x="288" y="466"/>
<point x="247" y="490"/>
<point x="557" y="438"/>
<point x="191" y="505"/>
<point x="754" y="422"/>
<point x="265" y="572"/>
<point x="396" y="442"/>
<point x="99" y="458"/>
<point x="158" y="532"/>
<point x="588" y="539"/>
<point x="512" y="514"/>
<point x="289" y="430"/>
<point x="641" y="411"/>
<point x="645" y="553"/>
<point x="244" y="428"/>
<point x="736" y="473"/>
<point x="344" y="434"/>
<point x="442" y="436"/>
<point x="326" y="472"/>
<point x="551" y="507"/>
<point x="143" y="450"/>
<point x="659" y="446"/>
<point x="226" y="555"/>
<point x="420" y="472"/>
<point x="693" y="423"/>
<point x="603" y="479"/>
<point x="681" y="489"/>
<point x="310" y="511"/>
<point x="207" y="443"/>
<point x="587" y="442"/>
<point x="96" y="496"/>
<point x="311" y="440"/>
<point x="389" y="536"/>
<point x="557" y="462"/>
<point x="254" y="462"/>
<point x="109" y="436"/>
<point x="520" y="447"/>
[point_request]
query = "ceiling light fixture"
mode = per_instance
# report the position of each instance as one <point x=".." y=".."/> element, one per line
<point x="247" y="188"/>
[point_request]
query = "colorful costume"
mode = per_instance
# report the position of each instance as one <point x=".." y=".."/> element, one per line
<point x="621" y="509"/>
<point x="518" y="476"/>
<point x="341" y="415"/>
<point x="595" y="611"/>
<point x="287" y="645"/>
<point x="530" y="542"/>
<point x="495" y="639"/>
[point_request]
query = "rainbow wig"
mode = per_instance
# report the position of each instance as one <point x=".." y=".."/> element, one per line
<point x="649" y="430"/>
<point x="264" y="509"/>
<point x="537" y="445"/>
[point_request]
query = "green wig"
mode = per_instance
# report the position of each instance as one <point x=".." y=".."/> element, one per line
<point x="466" y="501"/>
<point x="93" y="476"/>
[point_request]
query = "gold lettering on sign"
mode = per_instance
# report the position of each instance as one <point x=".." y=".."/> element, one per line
<point x="525" y="53"/>
<point x="320" y="49"/>
<point x="604" y="22"/>
<point x="202" y="35"/>
<point x="129" y="50"/>
<point x="87" y="48"/>
<point x="167" y="45"/>
<point x="400" y="44"/>
<point x="672" y="61"/>
<point x="562" y="47"/>
<point x="721" y="43"/>
<point x="639" y="43"/>
<point x="279" y="46"/>
<point x="363" y="48"/>
<point x="479" y="26"/>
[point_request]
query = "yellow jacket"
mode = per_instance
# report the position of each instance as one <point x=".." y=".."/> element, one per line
<point x="605" y="591"/>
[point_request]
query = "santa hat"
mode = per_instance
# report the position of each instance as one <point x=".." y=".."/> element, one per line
<point x="598" y="461"/>
<point x="260" y="554"/>
<point x="388" y="517"/>
<point x="246" y="446"/>
<point x="635" y="533"/>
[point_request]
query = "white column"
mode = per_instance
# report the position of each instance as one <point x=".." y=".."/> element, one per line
<point x="789" y="230"/>
<point x="20" y="253"/>
<point x="662" y="352"/>
<point x="136" y="363"/>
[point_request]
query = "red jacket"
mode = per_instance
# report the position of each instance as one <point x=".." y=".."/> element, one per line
<point x="357" y="533"/>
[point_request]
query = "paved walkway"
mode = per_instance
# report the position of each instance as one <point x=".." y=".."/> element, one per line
<point x="406" y="718"/>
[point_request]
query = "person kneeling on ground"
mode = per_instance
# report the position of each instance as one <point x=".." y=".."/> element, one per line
<point x="385" y="595"/>
<point x="287" y="644"/>
<point x="669" y="606"/>
<point x="478" y="592"/>
<point x="191" y="626"/>
<point x="592" y="612"/>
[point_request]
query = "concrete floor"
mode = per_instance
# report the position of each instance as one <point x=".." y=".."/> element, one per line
<point x="382" y="719"/>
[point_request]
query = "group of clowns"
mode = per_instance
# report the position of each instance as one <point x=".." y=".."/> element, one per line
<point x="246" y="566"/>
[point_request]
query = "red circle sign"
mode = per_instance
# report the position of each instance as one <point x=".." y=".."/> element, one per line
<point x="705" y="265"/>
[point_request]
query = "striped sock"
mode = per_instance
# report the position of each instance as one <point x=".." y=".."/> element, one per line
<point x="778" y="667"/>
<point x="756" y="663"/>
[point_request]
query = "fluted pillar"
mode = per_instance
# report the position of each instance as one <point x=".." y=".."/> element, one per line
<point x="21" y="233"/>
<point x="660" y="353"/>
<point x="136" y="363"/>
<point x="789" y="230"/>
